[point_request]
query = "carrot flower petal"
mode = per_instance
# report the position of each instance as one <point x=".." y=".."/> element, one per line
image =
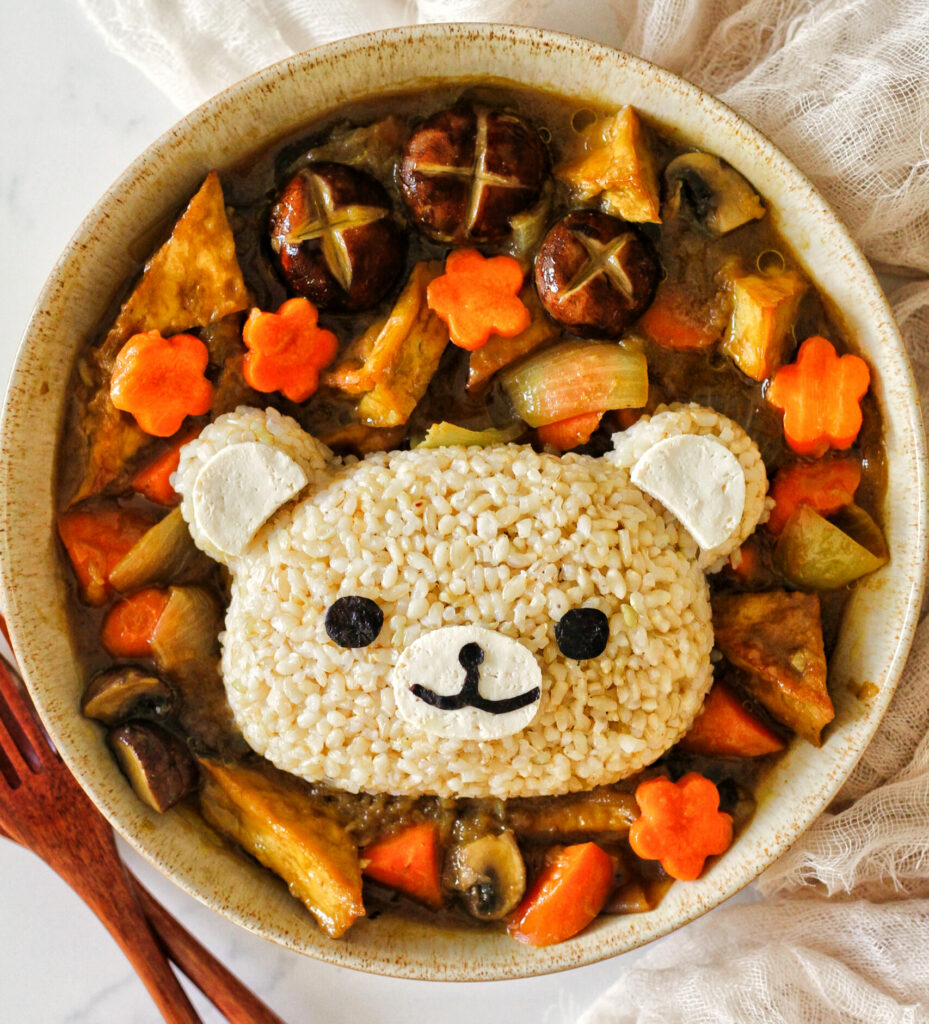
<point x="820" y="395"/>
<point x="160" y="381"/>
<point x="680" y="824"/>
<point x="287" y="349"/>
<point x="477" y="297"/>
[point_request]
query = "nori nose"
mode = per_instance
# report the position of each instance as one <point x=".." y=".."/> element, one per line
<point x="470" y="656"/>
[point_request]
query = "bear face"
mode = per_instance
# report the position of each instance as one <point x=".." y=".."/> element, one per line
<point x="467" y="622"/>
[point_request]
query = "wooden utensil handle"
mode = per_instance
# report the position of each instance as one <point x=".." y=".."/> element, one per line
<point x="113" y="899"/>
<point x="237" y="1003"/>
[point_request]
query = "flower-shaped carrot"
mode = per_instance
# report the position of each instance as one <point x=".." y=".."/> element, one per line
<point x="478" y="297"/>
<point x="820" y="395"/>
<point x="160" y="381"/>
<point x="680" y="824"/>
<point x="287" y="350"/>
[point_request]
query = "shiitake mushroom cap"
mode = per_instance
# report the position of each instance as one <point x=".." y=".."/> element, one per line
<point x="465" y="172"/>
<point x="158" y="765"/>
<point x="335" y="237"/>
<point x="595" y="273"/>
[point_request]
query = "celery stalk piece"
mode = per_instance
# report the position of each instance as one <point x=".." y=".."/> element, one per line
<point x="440" y="435"/>
<point x="817" y="554"/>
<point x="575" y="377"/>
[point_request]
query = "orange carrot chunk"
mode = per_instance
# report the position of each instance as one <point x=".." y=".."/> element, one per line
<point x="571" y="432"/>
<point x="568" y="894"/>
<point x="287" y="349"/>
<point x="408" y="861"/>
<point x="727" y="728"/>
<point x="154" y="480"/>
<point x="670" y="321"/>
<point x="96" y="540"/>
<point x="680" y="824"/>
<point x="820" y="395"/>
<point x="826" y="485"/>
<point x="160" y="381"/>
<point x="477" y="297"/>
<point x="130" y="624"/>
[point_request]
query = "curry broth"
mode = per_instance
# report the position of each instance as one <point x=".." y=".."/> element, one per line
<point x="708" y="378"/>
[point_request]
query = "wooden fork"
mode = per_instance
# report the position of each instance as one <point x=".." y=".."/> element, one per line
<point x="43" y="807"/>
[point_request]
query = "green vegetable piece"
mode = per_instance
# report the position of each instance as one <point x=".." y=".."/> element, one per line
<point x="443" y="434"/>
<point x="817" y="554"/>
<point x="575" y="377"/>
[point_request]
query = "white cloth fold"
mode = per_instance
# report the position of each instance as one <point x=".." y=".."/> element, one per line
<point x="842" y="86"/>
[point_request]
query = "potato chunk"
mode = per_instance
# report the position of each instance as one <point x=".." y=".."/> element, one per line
<point x="617" y="167"/>
<point x="391" y="364"/>
<point x="777" y="638"/>
<point x="274" y="819"/>
<point x="763" y="308"/>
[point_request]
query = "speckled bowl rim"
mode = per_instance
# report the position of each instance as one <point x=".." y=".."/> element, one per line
<point x="879" y="623"/>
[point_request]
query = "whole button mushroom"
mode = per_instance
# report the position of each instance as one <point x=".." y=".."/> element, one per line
<point x="464" y="173"/>
<point x="595" y="274"/>
<point x="336" y="240"/>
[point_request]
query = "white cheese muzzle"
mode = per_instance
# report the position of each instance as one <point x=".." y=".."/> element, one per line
<point x="468" y="683"/>
<point x="698" y="480"/>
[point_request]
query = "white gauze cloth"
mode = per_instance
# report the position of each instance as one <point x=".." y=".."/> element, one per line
<point x="842" y="86"/>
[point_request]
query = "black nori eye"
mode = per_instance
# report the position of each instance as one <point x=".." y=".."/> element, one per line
<point x="354" y="621"/>
<point x="582" y="633"/>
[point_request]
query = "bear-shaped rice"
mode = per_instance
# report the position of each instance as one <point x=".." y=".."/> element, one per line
<point x="501" y="543"/>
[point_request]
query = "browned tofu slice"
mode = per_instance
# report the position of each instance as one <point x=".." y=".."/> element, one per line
<point x="389" y="367"/>
<point x="763" y="309"/>
<point x="618" y="168"/>
<point x="498" y="351"/>
<point x="777" y="638"/>
<point x="191" y="281"/>
<point x="272" y="817"/>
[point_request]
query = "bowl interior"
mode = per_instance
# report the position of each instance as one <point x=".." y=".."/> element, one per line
<point x="879" y="620"/>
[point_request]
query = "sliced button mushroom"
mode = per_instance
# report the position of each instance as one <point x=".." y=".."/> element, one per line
<point x="718" y="198"/>
<point x="126" y="692"/>
<point x="158" y="765"/>
<point x="595" y="274"/>
<point x="466" y="173"/>
<point x="336" y="240"/>
<point x="490" y="874"/>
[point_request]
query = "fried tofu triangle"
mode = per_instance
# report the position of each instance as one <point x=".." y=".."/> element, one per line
<point x="776" y="637"/>
<point x="193" y="280"/>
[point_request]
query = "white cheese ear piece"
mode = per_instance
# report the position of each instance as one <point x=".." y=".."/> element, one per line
<point x="239" y="488"/>
<point x="699" y="481"/>
<point x="467" y="682"/>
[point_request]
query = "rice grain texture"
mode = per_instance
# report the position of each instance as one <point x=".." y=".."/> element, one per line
<point x="505" y="538"/>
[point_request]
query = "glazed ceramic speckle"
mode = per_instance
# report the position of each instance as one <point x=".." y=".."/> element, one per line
<point x="879" y="622"/>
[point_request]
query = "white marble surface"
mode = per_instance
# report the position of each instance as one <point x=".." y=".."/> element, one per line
<point x="72" y="116"/>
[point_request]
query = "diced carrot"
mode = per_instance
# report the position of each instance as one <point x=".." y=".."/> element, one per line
<point x="726" y="727"/>
<point x="161" y="381"/>
<point x="680" y="824"/>
<point x="409" y="861"/>
<point x="96" y="539"/>
<point x="820" y="395"/>
<point x="154" y="480"/>
<point x="745" y="563"/>
<point x="567" y="434"/>
<point x="477" y="297"/>
<point x="130" y="624"/>
<point x="826" y="485"/>
<point x="568" y="894"/>
<point x="287" y="349"/>
<point x="670" y="322"/>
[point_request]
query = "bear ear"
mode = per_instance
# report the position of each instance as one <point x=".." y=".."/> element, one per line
<point x="240" y="470"/>
<point x="703" y="468"/>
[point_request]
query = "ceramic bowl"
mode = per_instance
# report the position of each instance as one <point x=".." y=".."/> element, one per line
<point x="880" y="617"/>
